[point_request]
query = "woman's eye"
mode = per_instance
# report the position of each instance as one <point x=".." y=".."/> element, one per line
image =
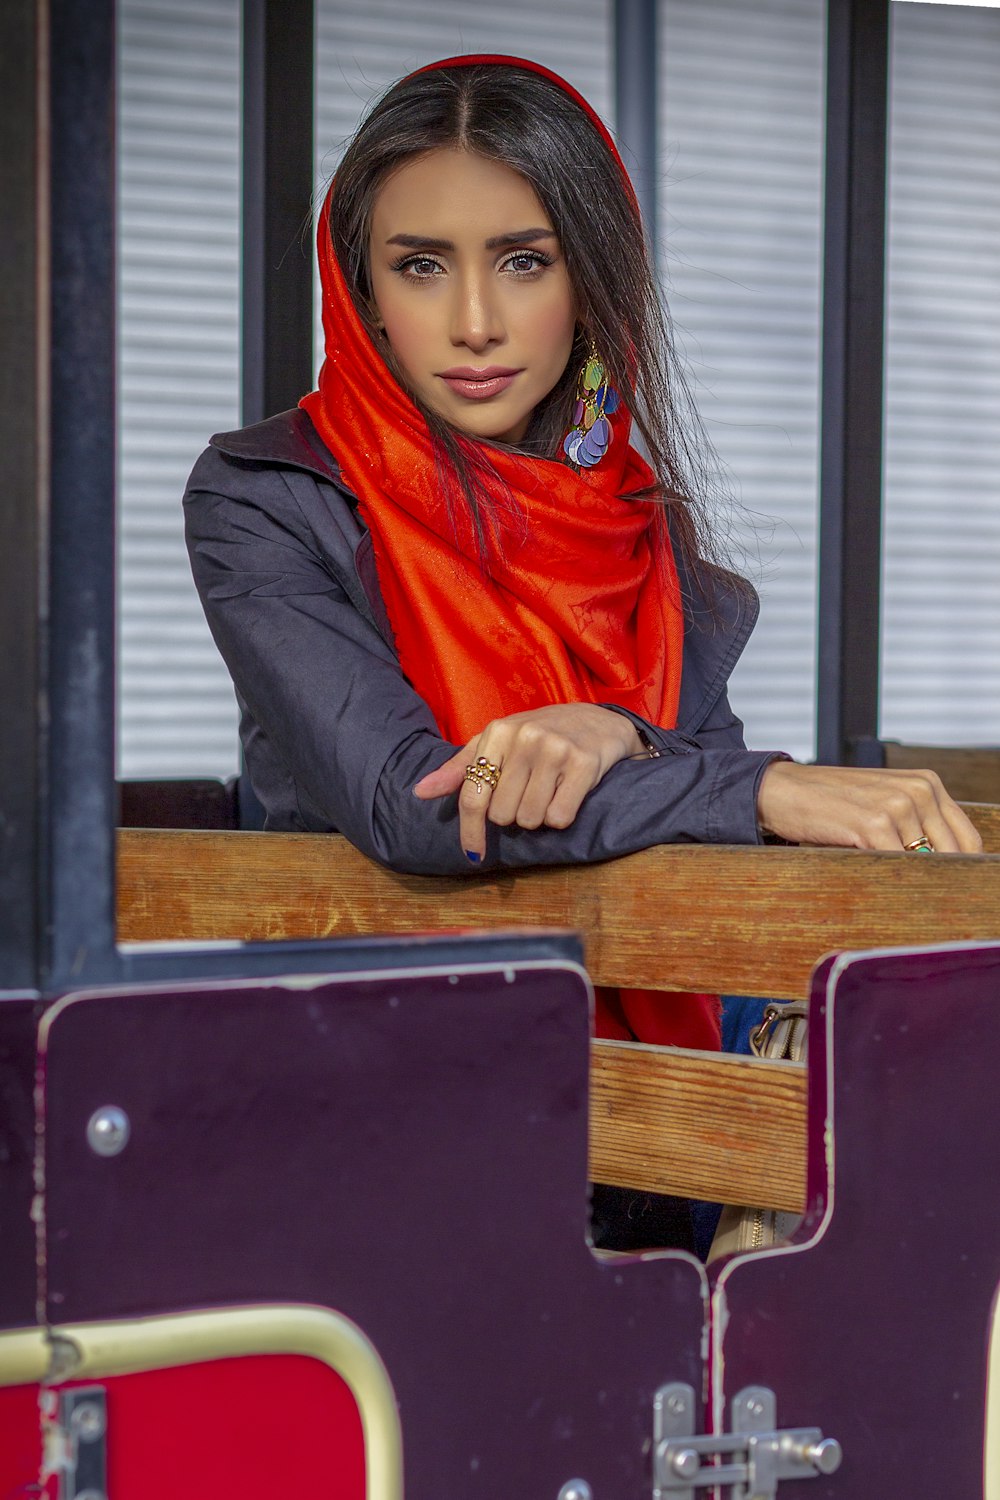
<point x="419" y="267"/>
<point x="525" y="261"/>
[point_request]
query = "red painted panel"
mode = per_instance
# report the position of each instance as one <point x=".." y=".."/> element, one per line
<point x="20" y="1442"/>
<point x="257" y="1427"/>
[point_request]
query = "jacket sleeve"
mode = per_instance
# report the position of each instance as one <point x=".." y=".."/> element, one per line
<point x="327" y="691"/>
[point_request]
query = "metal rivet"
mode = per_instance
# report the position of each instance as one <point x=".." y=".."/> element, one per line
<point x="676" y="1404"/>
<point x="755" y="1408"/>
<point x="87" y="1421"/>
<point x="575" y="1489"/>
<point x="685" y="1463"/>
<point x="108" y="1130"/>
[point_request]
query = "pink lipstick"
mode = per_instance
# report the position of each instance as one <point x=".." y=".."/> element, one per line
<point x="478" y="385"/>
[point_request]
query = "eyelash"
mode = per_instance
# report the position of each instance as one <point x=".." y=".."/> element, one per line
<point x="539" y="260"/>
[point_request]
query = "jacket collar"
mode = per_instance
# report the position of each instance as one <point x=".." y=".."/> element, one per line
<point x="288" y="439"/>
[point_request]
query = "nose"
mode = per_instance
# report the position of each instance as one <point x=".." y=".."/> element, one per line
<point x="476" y="319"/>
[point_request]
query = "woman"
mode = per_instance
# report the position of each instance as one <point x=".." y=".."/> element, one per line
<point x="469" y="626"/>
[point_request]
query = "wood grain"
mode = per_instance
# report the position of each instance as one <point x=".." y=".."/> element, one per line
<point x="691" y="917"/>
<point x="729" y="1129"/>
<point x="986" y="816"/>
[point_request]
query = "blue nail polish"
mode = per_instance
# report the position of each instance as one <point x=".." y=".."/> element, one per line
<point x="472" y="856"/>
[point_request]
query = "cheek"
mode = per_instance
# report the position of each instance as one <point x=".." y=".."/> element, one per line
<point x="554" y="329"/>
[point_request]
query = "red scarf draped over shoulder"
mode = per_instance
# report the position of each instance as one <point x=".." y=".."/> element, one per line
<point x="579" y="602"/>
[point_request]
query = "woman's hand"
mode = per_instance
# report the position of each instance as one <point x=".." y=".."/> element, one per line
<point x="549" y="759"/>
<point x="862" y="809"/>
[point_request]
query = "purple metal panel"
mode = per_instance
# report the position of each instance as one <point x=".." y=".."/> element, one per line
<point x="875" y="1327"/>
<point x="410" y="1150"/>
<point x="18" y="1022"/>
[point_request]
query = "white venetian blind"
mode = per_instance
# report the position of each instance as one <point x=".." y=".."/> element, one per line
<point x="941" y="636"/>
<point x="178" y="339"/>
<point x="741" y="141"/>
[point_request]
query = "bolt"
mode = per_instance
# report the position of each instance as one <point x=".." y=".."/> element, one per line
<point x="87" y="1421"/>
<point x="826" y="1455"/>
<point x="685" y="1463"/>
<point x="676" y="1404"/>
<point x="108" y="1130"/>
<point x="755" y="1408"/>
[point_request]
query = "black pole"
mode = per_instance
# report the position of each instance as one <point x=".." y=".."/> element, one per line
<point x="277" y="256"/>
<point x="277" y="189"/>
<point x="636" y="101"/>
<point x="57" y="418"/>
<point x="852" y="396"/>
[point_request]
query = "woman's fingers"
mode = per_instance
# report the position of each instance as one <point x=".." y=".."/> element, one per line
<point x="866" y="809"/>
<point x="545" y="762"/>
<point x="447" y="778"/>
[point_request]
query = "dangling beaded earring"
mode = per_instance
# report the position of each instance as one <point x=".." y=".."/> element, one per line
<point x="590" y="436"/>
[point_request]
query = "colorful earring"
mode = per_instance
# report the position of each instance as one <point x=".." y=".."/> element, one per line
<point x="590" y="436"/>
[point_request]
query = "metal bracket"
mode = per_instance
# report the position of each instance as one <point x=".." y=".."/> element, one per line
<point x="76" y="1427"/>
<point x="752" y="1458"/>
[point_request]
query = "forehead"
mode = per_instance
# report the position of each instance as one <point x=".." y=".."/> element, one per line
<point x="454" y="194"/>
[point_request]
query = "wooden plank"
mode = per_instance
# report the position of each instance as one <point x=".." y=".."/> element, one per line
<point x="971" y="774"/>
<point x="986" y="816"/>
<point x="690" y="917"/>
<point x="729" y="1129"/>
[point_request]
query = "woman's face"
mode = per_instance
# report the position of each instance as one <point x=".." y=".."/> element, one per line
<point x="471" y="290"/>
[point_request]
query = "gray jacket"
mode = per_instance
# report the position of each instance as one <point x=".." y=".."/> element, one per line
<point x="334" y="735"/>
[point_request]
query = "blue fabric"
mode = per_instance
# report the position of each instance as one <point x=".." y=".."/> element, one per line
<point x="741" y="1014"/>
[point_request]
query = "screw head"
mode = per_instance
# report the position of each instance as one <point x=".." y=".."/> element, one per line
<point x="576" y="1489"/>
<point x="87" y="1421"/>
<point x="108" y="1130"/>
<point x="685" y="1463"/>
<point x="676" y="1404"/>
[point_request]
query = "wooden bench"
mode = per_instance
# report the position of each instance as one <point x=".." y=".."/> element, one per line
<point x="694" y="917"/>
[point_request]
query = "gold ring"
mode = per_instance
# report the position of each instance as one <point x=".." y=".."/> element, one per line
<point x="922" y="845"/>
<point x="483" y="773"/>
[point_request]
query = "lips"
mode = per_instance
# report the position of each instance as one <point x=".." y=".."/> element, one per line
<point x="478" y="385"/>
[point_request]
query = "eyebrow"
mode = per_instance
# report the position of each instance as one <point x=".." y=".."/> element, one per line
<point x="498" y="242"/>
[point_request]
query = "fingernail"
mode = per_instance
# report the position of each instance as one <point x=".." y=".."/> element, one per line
<point x="472" y="856"/>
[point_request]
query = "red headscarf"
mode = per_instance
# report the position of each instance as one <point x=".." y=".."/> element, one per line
<point x="580" y="602"/>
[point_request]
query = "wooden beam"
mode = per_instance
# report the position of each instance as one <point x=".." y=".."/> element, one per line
<point x="986" y="816"/>
<point x="690" y="917"/>
<point x="971" y="773"/>
<point x="697" y="1124"/>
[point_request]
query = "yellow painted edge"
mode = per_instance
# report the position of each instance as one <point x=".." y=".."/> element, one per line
<point x="94" y="1351"/>
<point x="991" y="1453"/>
<point x="24" y="1356"/>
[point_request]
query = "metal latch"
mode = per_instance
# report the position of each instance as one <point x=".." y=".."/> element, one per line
<point x="75" y="1426"/>
<point x="753" y="1458"/>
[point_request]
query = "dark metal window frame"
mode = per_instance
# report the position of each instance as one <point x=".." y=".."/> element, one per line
<point x="57" y="425"/>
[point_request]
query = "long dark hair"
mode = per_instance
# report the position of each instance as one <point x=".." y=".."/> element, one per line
<point x="523" y="120"/>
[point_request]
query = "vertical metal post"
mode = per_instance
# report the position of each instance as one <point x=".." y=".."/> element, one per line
<point x="852" y="397"/>
<point x="81" y="608"/>
<point x="277" y="258"/>
<point x="277" y="353"/>
<point x="57" y="403"/>
<point x="636" y="61"/>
